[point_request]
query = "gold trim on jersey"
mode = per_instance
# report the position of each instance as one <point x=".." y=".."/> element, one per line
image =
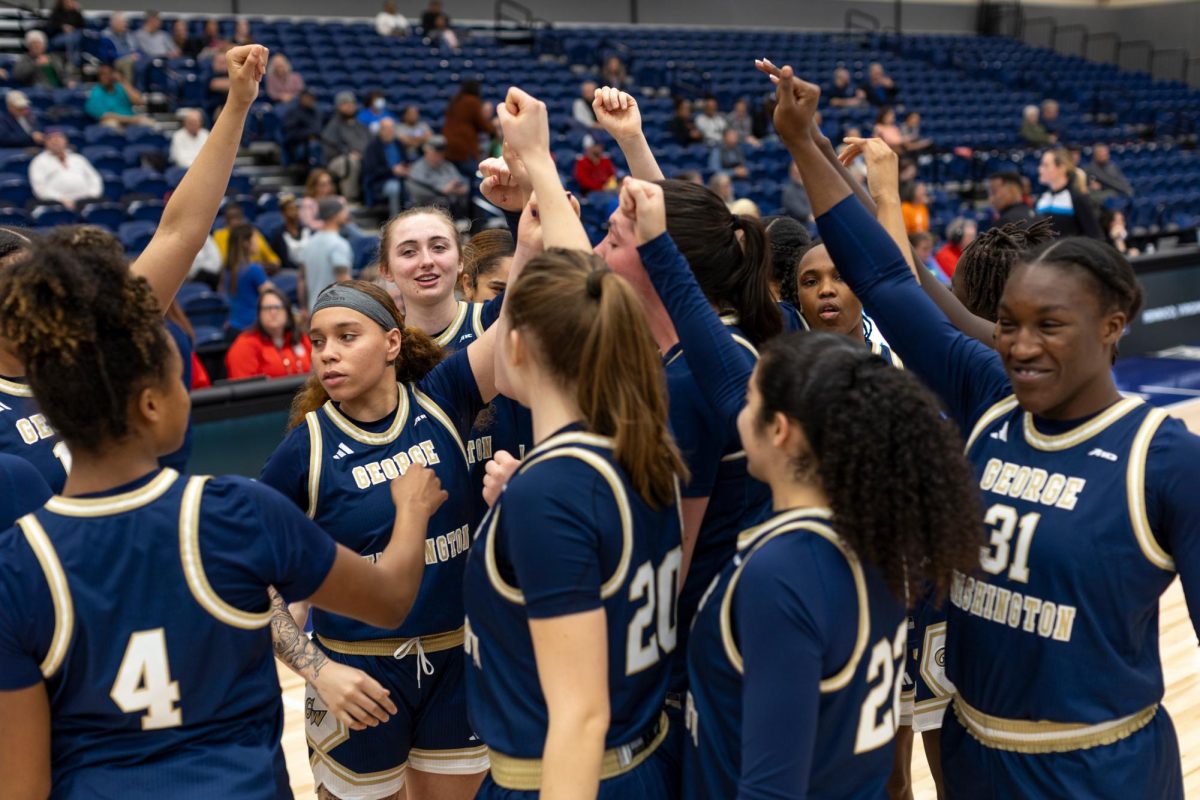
<point x="991" y="415"/>
<point x="462" y="761"/>
<point x="525" y="774"/>
<point x="350" y="777"/>
<point x="114" y="504"/>
<point x="890" y="356"/>
<point x="451" y="331"/>
<point x="1080" y="434"/>
<point x="477" y="319"/>
<point x="366" y="437"/>
<point x="193" y="566"/>
<point x="60" y="593"/>
<point x="673" y="358"/>
<point x="435" y="411"/>
<point x="433" y="643"/>
<point x="316" y="446"/>
<point x="735" y="456"/>
<point x="1135" y="489"/>
<point x="1040" y="736"/>
<point x="747" y="538"/>
<point x="16" y="389"/>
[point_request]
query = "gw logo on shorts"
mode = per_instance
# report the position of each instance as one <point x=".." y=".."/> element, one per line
<point x="314" y="715"/>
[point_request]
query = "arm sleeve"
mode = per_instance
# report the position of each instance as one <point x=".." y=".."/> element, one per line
<point x="452" y="386"/>
<point x="1173" y="505"/>
<point x="556" y="557"/>
<point x="286" y="471"/>
<point x="690" y="418"/>
<point x="26" y="614"/>
<point x="968" y="376"/>
<point x="721" y="367"/>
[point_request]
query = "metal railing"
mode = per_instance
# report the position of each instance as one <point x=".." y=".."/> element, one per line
<point x="1149" y="56"/>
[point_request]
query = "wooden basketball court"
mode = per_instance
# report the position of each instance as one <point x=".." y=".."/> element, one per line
<point x="1180" y="658"/>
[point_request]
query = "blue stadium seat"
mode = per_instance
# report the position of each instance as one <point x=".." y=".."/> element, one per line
<point x="286" y="282"/>
<point x="209" y="336"/>
<point x="15" y="191"/>
<point x="189" y="290"/>
<point x="142" y="181"/>
<point x="15" y="217"/>
<point x="137" y="234"/>
<point x="146" y="210"/>
<point x="49" y="216"/>
<point x="106" y="215"/>
<point x="207" y="309"/>
<point x="366" y="249"/>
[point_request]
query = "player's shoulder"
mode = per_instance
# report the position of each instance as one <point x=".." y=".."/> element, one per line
<point x="19" y="473"/>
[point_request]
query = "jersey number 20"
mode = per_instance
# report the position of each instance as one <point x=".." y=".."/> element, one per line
<point x="658" y="590"/>
<point x="144" y="681"/>
<point x="881" y="710"/>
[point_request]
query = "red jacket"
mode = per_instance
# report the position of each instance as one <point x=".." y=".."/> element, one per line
<point x="592" y="176"/>
<point x="947" y="258"/>
<point x="253" y="354"/>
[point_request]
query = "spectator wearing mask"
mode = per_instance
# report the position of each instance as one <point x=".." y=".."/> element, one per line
<point x="283" y="83"/>
<point x="1064" y="201"/>
<point x="795" y="198"/>
<point x="187" y="141"/>
<point x="18" y="128"/>
<point x="710" y="123"/>
<point x="842" y="93"/>
<point x="683" y="129"/>
<point x="152" y="41"/>
<point x="261" y="251"/>
<point x="413" y="132"/>
<point x="1033" y="131"/>
<point x="120" y="47"/>
<point x="914" y="205"/>
<point x="385" y="166"/>
<point x="433" y="180"/>
<point x="111" y="101"/>
<point x="57" y="175"/>
<point x="594" y="170"/>
<point x="1106" y="177"/>
<point x="242" y="277"/>
<point x="1006" y="195"/>
<point x="581" y="110"/>
<point x="302" y="130"/>
<point x="465" y="121"/>
<point x="374" y="111"/>
<point x="959" y="235"/>
<point x="272" y="347"/>
<point x="343" y="141"/>
<point x="326" y="252"/>
<point x="879" y="88"/>
<point x="728" y="156"/>
<point x="739" y="120"/>
<point x="36" y="67"/>
<point x="289" y="241"/>
<point x="390" y="22"/>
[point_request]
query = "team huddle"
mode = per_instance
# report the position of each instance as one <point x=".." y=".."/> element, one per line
<point x="661" y="518"/>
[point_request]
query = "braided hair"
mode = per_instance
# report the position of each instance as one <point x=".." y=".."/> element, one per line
<point x="985" y="263"/>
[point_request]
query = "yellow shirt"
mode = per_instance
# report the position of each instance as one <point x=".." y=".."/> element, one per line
<point x="263" y="254"/>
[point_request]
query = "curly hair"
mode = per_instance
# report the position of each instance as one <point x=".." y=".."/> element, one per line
<point x="985" y="263"/>
<point x="789" y="240"/>
<point x="79" y="324"/>
<point x="900" y="488"/>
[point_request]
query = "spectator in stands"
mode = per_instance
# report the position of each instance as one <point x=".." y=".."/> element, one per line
<point x="1112" y="222"/>
<point x="442" y="35"/>
<point x="959" y="234"/>
<point x="914" y="142"/>
<point x="152" y="40"/>
<point x="289" y="241"/>
<point x="581" y="110"/>
<point x="690" y="176"/>
<point x="614" y="74"/>
<point x="343" y="141"/>
<point x="1033" y="131"/>
<point x="390" y="22"/>
<point x="302" y="130"/>
<point x="466" y="119"/>
<point x="374" y="111"/>
<point x="283" y="83"/>
<point x="739" y="120"/>
<point x="728" y="156"/>
<point x="722" y="186"/>
<point x="326" y="251"/>
<point x="914" y="204"/>
<point x="795" y="198"/>
<point x="218" y="82"/>
<point x="273" y="347"/>
<point x="1105" y="176"/>
<point x="413" y="132"/>
<point x="594" y="170"/>
<point x="842" y="93"/>
<point x="1064" y="201"/>
<point x="213" y="42"/>
<point x="763" y="123"/>
<point x="385" y="166"/>
<point x="65" y="27"/>
<point x="320" y="184"/>
<point x="111" y="101"/>
<point x="242" y="277"/>
<point x="1006" y="194"/>
<point x="1050" y="120"/>
<point x="187" y="45"/>
<point x="879" y="87"/>
<point x="434" y="180"/>
<point x="206" y="266"/>
<point x="241" y="32"/>
<point x="887" y="129"/>
<point x="745" y="207"/>
<point x="683" y="129"/>
<point x="261" y="251"/>
<point x="122" y="50"/>
<point x="187" y="141"/>
<point x="36" y="67"/>
<point x="710" y="122"/>
<point x="57" y="175"/>
<point x="922" y="245"/>
<point x="430" y="14"/>
<point x="18" y="128"/>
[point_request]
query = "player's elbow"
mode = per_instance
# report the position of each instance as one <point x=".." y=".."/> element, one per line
<point x="582" y="719"/>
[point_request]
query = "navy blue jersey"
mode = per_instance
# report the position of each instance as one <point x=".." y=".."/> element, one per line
<point x="793" y="320"/>
<point x="145" y="610"/>
<point x="25" y="432"/>
<point x="568" y="535"/>
<point x="337" y="470"/>
<point x="786" y="699"/>
<point x="1086" y="522"/>
<point x="22" y="489"/>
<point x="178" y="460"/>
<point x="466" y="327"/>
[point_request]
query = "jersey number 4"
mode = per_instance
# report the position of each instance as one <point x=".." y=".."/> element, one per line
<point x="144" y="681"/>
<point x="658" y="590"/>
<point x="880" y="713"/>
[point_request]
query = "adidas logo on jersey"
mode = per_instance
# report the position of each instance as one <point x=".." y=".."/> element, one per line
<point x="1107" y="456"/>
<point x="1000" y="435"/>
<point x="343" y="450"/>
<point x="418" y="418"/>
<point x="4" y="408"/>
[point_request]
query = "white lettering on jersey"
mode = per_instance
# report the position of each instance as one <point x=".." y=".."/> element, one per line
<point x="34" y="428"/>
<point x="376" y="472"/>
<point x="1033" y="485"/>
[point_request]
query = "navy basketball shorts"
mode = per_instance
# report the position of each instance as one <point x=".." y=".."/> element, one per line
<point x="653" y="779"/>
<point x="927" y="690"/>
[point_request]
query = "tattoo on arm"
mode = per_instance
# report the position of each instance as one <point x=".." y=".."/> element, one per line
<point x="292" y="646"/>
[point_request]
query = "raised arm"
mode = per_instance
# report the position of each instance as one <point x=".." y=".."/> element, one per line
<point x="618" y="113"/>
<point x="883" y="182"/>
<point x="190" y="213"/>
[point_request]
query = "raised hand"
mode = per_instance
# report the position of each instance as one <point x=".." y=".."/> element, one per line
<point x="883" y="171"/>
<point x="618" y="113"/>
<point x="796" y="107"/>
<point x="498" y="186"/>
<point x="418" y="489"/>
<point x="643" y="203"/>
<point x="529" y="229"/>
<point x="496" y="475"/>
<point x="354" y="697"/>
<point x="247" y="66"/>
<point x="525" y="124"/>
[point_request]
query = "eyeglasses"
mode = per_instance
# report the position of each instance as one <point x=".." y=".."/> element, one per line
<point x="275" y="307"/>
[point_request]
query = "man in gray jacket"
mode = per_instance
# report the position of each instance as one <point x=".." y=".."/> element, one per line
<point x="342" y="144"/>
<point x="435" y="181"/>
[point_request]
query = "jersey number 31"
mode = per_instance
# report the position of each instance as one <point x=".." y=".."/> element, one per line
<point x="658" y="589"/>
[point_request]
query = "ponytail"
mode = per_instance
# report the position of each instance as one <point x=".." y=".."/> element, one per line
<point x="590" y="331"/>
<point x="419" y="354"/>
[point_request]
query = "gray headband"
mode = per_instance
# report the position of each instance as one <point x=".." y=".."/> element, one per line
<point x="339" y="296"/>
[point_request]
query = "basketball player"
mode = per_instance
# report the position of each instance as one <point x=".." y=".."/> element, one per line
<point x="22" y="489"/>
<point x="1053" y="647"/>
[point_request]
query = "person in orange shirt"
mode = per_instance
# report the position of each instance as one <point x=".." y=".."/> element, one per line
<point x="272" y="347"/>
<point x="914" y="205"/>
